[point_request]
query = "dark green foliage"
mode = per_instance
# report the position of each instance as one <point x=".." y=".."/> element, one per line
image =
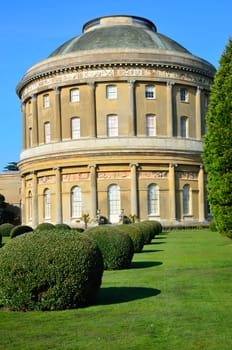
<point x="44" y="226"/>
<point x="212" y="226"/>
<point x="62" y="227"/>
<point x="5" y="229"/>
<point x="78" y="229"/>
<point x="50" y="270"/>
<point x="146" y="230"/>
<point x="217" y="153"/>
<point x="116" y="246"/>
<point x="135" y="234"/>
<point x="20" y="230"/>
<point x="155" y="227"/>
<point x="0" y="240"/>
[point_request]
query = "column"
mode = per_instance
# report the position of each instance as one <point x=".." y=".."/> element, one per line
<point x="34" y="200"/>
<point x="172" y="191"/>
<point x="93" y="189"/>
<point x="22" y="200"/>
<point x="92" y="110"/>
<point x="59" y="218"/>
<point x="132" y="113"/>
<point x="198" y="113"/>
<point x="57" y="115"/>
<point x="169" y="109"/>
<point x="34" y="121"/>
<point x="201" y="187"/>
<point x="24" y="126"/>
<point x="134" y="189"/>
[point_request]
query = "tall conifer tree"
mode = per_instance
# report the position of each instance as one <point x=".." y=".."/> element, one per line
<point x="217" y="153"/>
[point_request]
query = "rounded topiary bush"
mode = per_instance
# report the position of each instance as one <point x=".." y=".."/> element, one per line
<point x="44" y="226"/>
<point x="156" y="227"/>
<point x="20" y="230"/>
<point x="116" y="247"/>
<point x="5" y="229"/>
<point x="62" y="227"/>
<point x="50" y="271"/>
<point x="146" y="230"/>
<point x="135" y="234"/>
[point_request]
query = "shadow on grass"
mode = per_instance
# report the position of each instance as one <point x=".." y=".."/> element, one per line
<point x="115" y="295"/>
<point x="142" y="264"/>
<point x="150" y="251"/>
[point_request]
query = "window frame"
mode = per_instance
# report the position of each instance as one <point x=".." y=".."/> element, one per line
<point x="184" y="95"/>
<point x="151" y="125"/>
<point x="75" y="131"/>
<point x="112" y="125"/>
<point x="184" y="126"/>
<point x="47" y="132"/>
<point x="153" y="200"/>
<point x="150" y="92"/>
<point x="76" y="202"/>
<point x="74" y="96"/>
<point x="47" y="203"/>
<point x="46" y="101"/>
<point x="111" y="92"/>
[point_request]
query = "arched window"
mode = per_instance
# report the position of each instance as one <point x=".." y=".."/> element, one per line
<point x="76" y="202"/>
<point x="112" y="125"/>
<point x="29" y="206"/>
<point x="74" y="95"/>
<point x="153" y="199"/>
<point x="184" y="127"/>
<point x="150" y="125"/>
<point x="47" y="203"/>
<point x="47" y="132"/>
<point x="111" y="92"/>
<point x="186" y="200"/>
<point x="149" y="91"/>
<point x="75" y="128"/>
<point x="114" y="204"/>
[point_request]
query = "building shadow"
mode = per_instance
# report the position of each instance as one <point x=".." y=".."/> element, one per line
<point x="115" y="295"/>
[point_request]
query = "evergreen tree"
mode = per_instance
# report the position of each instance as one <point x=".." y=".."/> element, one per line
<point x="11" y="166"/>
<point x="217" y="153"/>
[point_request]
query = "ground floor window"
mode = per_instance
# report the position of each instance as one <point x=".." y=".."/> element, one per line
<point x="114" y="204"/>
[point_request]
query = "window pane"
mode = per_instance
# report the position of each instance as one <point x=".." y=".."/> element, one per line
<point x="112" y="125"/>
<point x="47" y="132"/>
<point x="75" y="128"/>
<point x="183" y="95"/>
<point x="186" y="199"/>
<point x="74" y="95"/>
<point x="114" y="203"/>
<point x="183" y="127"/>
<point x="111" y="91"/>
<point x="47" y="204"/>
<point x="46" y="101"/>
<point x="150" y="125"/>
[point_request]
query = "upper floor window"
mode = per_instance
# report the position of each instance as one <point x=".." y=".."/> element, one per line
<point x="153" y="199"/>
<point x="111" y="92"/>
<point x="29" y="206"/>
<point x="74" y="95"/>
<point x="150" y="125"/>
<point x="47" y="132"/>
<point x="149" y="91"/>
<point x="184" y="127"/>
<point x="75" y="128"/>
<point x="76" y="202"/>
<point x="183" y="95"/>
<point x="46" y="101"/>
<point x="112" y="125"/>
<point x="47" y="203"/>
<point x="30" y="137"/>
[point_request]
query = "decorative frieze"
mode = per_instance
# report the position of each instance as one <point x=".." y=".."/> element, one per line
<point x="46" y="180"/>
<point x="186" y="175"/>
<point x="153" y="174"/>
<point x="114" y="175"/>
<point x="75" y="177"/>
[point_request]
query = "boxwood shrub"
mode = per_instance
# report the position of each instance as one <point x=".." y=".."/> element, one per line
<point x="135" y="234"/>
<point x="5" y="229"/>
<point x="156" y="227"/>
<point x="19" y="230"/>
<point x="49" y="271"/>
<point x="44" y="226"/>
<point x="146" y="230"/>
<point x="116" y="247"/>
<point x="62" y="227"/>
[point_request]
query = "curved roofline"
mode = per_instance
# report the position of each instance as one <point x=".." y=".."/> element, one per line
<point x="134" y="19"/>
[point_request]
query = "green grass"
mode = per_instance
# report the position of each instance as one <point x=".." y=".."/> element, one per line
<point x="176" y="296"/>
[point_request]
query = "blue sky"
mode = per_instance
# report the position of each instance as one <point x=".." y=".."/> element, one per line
<point x="31" y="30"/>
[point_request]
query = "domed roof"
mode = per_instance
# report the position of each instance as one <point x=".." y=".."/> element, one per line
<point x="119" y="32"/>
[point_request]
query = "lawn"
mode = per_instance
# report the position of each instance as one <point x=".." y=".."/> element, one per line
<point x="176" y="295"/>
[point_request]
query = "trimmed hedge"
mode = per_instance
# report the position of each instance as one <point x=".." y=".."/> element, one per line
<point x="135" y="234"/>
<point x="44" y="226"/>
<point x="146" y="230"/>
<point x="49" y="271"/>
<point x="5" y="229"/>
<point x="0" y="240"/>
<point x="20" y="230"/>
<point x="62" y="227"/>
<point x="156" y="227"/>
<point x="116" y="247"/>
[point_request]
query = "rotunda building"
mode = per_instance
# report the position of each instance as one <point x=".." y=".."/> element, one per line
<point x="112" y="125"/>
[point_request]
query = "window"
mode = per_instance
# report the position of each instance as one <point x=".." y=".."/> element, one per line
<point x="153" y="199"/>
<point x="47" y="204"/>
<point x="183" y="95"/>
<point x="184" y="127"/>
<point x="114" y="203"/>
<point x="30" y="137"/>
<point x="75" y="128"/>
<point x="112" y="125"/>
<point x="76" y="202"/>
<point x="150" y="125"/>
<point x="149" y="91"/>
<point x="46" y="101"/>
<point x="29" y="206"/>
<point x="111" y="92"/>
<point x="186" y="200"/>
<point x="47" y="132"/>
<point x="74" y="95"/>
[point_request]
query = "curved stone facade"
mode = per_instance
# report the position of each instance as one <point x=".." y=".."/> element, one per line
<point x="115" y="128"/>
